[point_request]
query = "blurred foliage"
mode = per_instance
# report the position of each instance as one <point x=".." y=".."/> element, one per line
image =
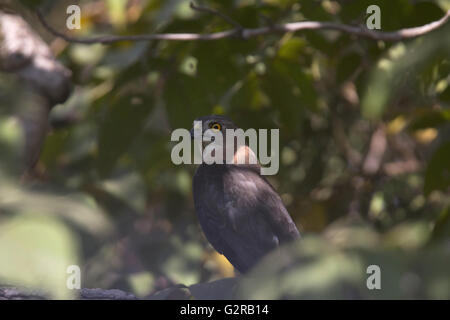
<point x="107" y="197"/>
<point x="318" y="269"/>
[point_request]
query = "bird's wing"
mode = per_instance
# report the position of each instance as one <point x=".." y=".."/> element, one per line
<point x="247" y="191"/>
<point x="236" y="212"/>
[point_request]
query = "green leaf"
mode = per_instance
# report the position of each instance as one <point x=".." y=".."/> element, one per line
<point x="317" y="269"/>
<point x="404" y="66"/>
<point x="35" y="252"/>
<point x="77" y="208"/>
<point x="12" y="142"/>
<point x="437" y="175"/>
<point x="431" y="119"/>
<point x="124" y="120"/>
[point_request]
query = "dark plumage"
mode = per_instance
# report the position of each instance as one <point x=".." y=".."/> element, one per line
<point x="240" y="213"/>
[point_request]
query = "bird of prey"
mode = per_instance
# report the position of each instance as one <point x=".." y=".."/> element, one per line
<point x="241" y="214"/>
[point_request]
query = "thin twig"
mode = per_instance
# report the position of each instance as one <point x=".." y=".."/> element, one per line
<point x="267" y="20"/>
<point x="235" y="24"/>
<point x="142" y="37"/>
<point x="402" y="34"/>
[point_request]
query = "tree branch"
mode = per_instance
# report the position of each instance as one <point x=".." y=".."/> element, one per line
<point x="14" y="293"/>
<point x="24" y="53"/>
<point x="102" y="294"/>
<point x="402" y="34"/>
<point x="222" y="289"/>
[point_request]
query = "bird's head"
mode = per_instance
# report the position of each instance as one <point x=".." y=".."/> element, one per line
<point x="208" y="126"/>
<point x="216" y="123"/>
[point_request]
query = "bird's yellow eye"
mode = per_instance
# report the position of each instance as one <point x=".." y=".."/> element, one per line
<point x="215" y="126"/>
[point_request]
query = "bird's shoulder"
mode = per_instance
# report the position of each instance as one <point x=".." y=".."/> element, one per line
<point x="230" y="221"/>
<point x="240" y="195"/>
